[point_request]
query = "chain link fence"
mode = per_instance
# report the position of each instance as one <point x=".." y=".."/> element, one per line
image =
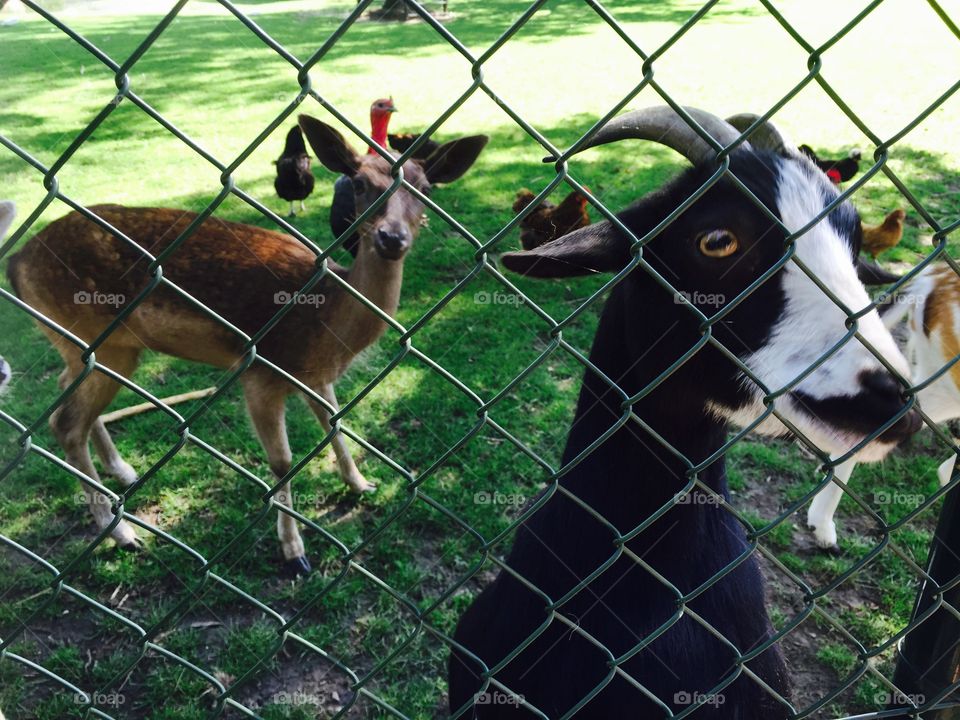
<point x="928" y="668"/>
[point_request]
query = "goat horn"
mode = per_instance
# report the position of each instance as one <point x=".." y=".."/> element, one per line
<point x="765" y="137"/>
<point x="662" y="124"/>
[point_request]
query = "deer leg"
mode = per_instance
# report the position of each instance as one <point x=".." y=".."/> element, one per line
<point x="824" y="505"/>
<point x="113" y="464"/>
<point x="345" y="464"/>
<point x="73" y="421"/>
<point x="303" y="207"/>
<point x="265" y="403"/>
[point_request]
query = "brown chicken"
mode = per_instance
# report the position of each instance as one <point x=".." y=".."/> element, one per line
<point x="548" y="221"/>
<point x="877" y="238"/>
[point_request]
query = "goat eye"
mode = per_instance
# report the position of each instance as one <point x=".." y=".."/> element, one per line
<point x="718" y="243"/>
<point x="359" y="185"/>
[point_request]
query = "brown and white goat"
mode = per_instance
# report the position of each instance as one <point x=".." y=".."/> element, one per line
<point x="931" y="304"/>
<point x="243" y="273"/>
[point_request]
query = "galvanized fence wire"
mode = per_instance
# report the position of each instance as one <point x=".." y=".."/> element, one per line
<point x="491" y="549"/>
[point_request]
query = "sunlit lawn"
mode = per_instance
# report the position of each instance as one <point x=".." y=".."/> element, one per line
<point x="219" y="84"/>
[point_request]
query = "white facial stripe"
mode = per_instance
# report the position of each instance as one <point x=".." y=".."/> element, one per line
<point x="811" y="323"/>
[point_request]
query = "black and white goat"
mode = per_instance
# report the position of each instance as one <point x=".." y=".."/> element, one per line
<point x="931" y="305"/>
<point x="673" y="604"/>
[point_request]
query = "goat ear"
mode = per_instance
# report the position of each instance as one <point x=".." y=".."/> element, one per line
<point x="596" y="248"/>
<point x="7" y="211"/>
<point x="329" y="146"/>
<point x="452" y="159"/>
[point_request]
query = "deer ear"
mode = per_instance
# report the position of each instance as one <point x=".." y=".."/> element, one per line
<point x="596" y="248"/>
<point x="7" y="212"/>
<point x="329" y="146"/>
<point x="452" y="159"/>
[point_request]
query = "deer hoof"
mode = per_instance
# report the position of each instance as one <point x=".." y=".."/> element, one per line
<point x="125" y="537"/>
<point x="124" y="472"/>
<point x="298" y="566"/>
<point x="361" y="485"/>
<point x="132" y="546"/>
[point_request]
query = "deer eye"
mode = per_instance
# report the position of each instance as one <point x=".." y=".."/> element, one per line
<point x="718" y="243"/>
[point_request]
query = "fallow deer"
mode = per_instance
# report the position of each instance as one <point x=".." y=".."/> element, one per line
<point x="243" y="273"/>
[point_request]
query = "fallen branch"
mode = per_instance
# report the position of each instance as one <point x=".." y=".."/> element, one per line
<point x="144" y="407"/>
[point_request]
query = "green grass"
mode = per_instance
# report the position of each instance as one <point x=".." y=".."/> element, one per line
<point x="213" y="79"/>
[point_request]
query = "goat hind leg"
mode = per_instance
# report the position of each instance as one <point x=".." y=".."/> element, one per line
<point x="345" y="464"/>
<point x="265" y="403"/>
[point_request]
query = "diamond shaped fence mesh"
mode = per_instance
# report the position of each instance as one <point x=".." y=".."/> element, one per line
<point x="219" y="631"/>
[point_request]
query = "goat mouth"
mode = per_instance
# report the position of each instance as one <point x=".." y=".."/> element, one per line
<point x="861" y="415"/>
<point x="908" y="425"/>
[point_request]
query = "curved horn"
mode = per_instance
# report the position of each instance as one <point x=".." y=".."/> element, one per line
<point x="765" y="137"/>
<point x="663" y="125"/>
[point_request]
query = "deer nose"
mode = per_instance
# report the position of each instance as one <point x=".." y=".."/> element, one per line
<point x="392" y="242"/>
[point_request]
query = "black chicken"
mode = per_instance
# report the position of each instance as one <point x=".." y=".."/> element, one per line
<point x="837" y="170"/>
<point x="294" y="179"/>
